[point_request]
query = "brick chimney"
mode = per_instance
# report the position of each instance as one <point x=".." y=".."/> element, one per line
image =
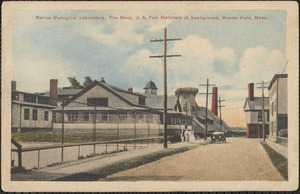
<point x="251" y="91"/>
<point x="13" y="85"/>
<point x="53" y="92"/>
<point x="214" y="107"/>
<point x="130" y="89"/>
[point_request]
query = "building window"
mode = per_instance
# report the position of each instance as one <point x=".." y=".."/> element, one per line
<point x="54" y="117"/>
<point x="193" y="108"/>
<point x="86" y="116"/>
<point x="29" y="98"/>
<point x="151" y="118"/>
<point x="141" y="100"/>
<point x="34" y="114"/>
<point x="104" y="117"/>
<point x="122" y="117"/>
<point x="97" y="101"/>
<point x="185" y="96"/>
<point x="26" y="114"/>
<point x="141" y="117"/>
<point x="15" y="95"/>
<point x="43" y="100"/>
<point x="73" y="116"/>
<point x="46" y="115"/>
<point x="184" y="109"/>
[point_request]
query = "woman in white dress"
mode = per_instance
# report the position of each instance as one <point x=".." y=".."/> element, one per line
<point x="192" y="136"/>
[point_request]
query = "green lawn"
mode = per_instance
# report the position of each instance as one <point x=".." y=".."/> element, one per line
<point x="80" y="138"/>
<point x="278" y="161"/>
<point x="68" y="138"/>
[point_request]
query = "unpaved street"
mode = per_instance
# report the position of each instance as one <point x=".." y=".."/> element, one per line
<point x="238" y="159"/>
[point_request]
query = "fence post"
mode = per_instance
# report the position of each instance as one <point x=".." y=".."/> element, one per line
<point x="62" y="154"/>
<point x="38" y="159"/>
<point x="106" y="148"/>
<point x="19" y="157"/>
<point x="19" y="146"/>
<point x="78" y="151"/>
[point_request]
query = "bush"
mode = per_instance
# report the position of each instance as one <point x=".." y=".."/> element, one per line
<point x="283" y="133"/>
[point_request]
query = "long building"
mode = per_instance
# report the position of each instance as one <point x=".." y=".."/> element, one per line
<point x="104" y="109"/>
<point x="108" y="110"/>
<point x="31" y="112"/>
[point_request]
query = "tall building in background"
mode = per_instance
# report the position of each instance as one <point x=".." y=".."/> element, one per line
<point x="278" y="105"/>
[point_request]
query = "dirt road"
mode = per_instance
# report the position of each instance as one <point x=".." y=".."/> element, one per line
<point x="238" y="159"/>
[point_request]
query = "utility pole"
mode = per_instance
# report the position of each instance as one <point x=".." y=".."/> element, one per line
<point x="220" y="107"/>
<point x="207" y="85"/>
<point x="165" y="79"/>
<point x="62" y="130"/>
<point x="94" y="131"/>
<point x="263" y="107"/>
<point x="186" y="107"/>
<point x="62" y="122"/>
<point x="95" y="121"/>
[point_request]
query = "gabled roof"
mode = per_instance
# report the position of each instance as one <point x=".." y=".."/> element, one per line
<point x="256" y="104"/>
<point x="121" y="90"/>
<point x="157" y="101"/>
<point x="276" y="76"/>
<point x="65" y="91"/>
<point x="105" y="86"/>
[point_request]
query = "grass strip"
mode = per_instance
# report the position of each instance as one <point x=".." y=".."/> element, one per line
<point x="278" y="161"/>
<point x="102" y="172"/>
<point x="70" y="138"/>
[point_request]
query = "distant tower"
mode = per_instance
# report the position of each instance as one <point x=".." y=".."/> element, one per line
<point x="150" y="88"/>
<point x="187" y="100"/>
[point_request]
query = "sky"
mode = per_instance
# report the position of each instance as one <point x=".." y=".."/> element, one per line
<point x="229" y="52"/>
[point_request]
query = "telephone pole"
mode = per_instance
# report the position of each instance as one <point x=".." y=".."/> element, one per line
<point x="220" y="107"/>
<point x="165" y="79"/>
<point x="263" y="107"/>
<point x="207" y="85"/>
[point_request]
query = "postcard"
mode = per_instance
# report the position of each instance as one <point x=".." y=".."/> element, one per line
<point x="150" y="96"/>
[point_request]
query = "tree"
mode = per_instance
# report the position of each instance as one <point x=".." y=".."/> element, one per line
<point x="88" y="80"/>
<point x="74" y="83"/>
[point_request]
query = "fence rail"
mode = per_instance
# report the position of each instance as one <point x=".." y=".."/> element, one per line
<point x="137" y="142"/>
<point x="282" y="139"/>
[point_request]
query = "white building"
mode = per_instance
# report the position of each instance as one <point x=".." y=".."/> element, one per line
<point x="253" y="114"/>
<point x="31" y="112"/>
<point x="278" y="105"/>
<point x="104" y="109"/>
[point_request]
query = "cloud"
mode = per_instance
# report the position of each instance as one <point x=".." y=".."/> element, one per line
<point x="159" y="25"/>
<point x="198" y="59"/>
<point x="260" y="59"/>
<point x="227" y="55"/>
<point x="34" y="76"/>
<point x="139" y="68"/>
<point x="122" y="34"/>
